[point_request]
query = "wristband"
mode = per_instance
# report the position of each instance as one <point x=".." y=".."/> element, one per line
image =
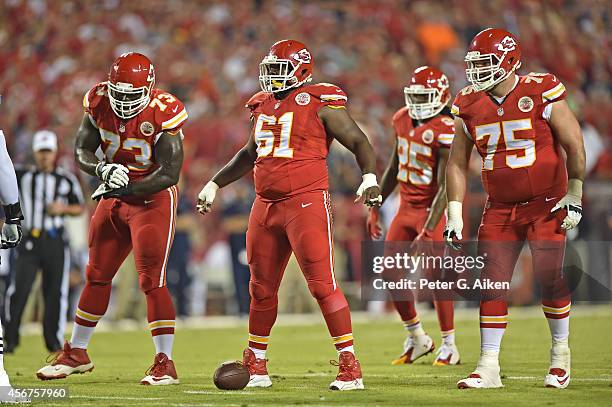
<point x="369" y="179"/>
<point x="97" y="170"/>
<point x="13" y="214"/>
<point x="455" y="209"/>
<point x="574" y="187"/>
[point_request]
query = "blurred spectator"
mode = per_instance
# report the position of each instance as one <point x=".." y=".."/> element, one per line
<point x="207" y="53"/>
<point x="178" y="278"/>
<point x="235" y="221"/>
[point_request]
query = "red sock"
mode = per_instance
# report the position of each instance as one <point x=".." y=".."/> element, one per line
<point x="445" y="310"/>
<point x="407" y="312"/>
<point x="337" y="316"/>
<point x="160" y="311"/>
<point x="92" y="304"/>
<point x="493" y="322"/>
<point x="261" y="320"/>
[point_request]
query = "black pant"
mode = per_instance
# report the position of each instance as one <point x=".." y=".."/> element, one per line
<point x="242" y="274"/>
<point x="50" y="255"/>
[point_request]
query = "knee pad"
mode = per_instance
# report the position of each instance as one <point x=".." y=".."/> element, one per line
<point x="262" y="297"/>
<point x="333" y="302"/>
<point x="148" y="284"/>
<point x="95" y="276"/>
<point x="321" y="290"/>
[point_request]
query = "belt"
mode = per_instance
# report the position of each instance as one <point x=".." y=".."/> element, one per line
<point x="53" y="233"/>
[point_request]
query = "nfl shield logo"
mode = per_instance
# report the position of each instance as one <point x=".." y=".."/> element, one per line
<point x="500" y="111"/>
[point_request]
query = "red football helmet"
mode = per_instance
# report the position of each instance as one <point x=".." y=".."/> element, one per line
<point x="288" y="65"/>
<point x="130" y="82"/>
<point x="427" y="93"/>
<point x="493" y="55"/>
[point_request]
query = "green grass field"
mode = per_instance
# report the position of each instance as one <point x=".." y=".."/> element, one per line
<point x="299" y="365"/>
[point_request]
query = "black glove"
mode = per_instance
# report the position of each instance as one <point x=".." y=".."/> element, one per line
<point x="104" y="193"/>
<point x="11" y="230"/>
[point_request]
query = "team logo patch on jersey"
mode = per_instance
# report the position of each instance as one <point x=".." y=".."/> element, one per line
<point x="525" y="104"/>
<point x="302" y="99"/>
<point x="146" y="128"/>
<point x="428" y="136"/>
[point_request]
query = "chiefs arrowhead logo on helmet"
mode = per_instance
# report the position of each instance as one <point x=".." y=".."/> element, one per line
<point x="130" y="82"/>
<point x="288" y="65"/>
<point x="493" y="55"/>
<point x="427" y="93"/>
<point x="507" y="44"/>
<point x="303" y="56"/>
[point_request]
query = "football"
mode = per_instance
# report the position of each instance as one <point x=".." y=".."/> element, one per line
<point x="231" y="375"/>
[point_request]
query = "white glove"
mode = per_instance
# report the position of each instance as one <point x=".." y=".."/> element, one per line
<point x="454" y="224"/>
<point x="206" y="197"/>
<point x="572" y="203"/>
<point x="99" y="193"/>
<point x="368" y="181"/>
<point x="113" y="175"/>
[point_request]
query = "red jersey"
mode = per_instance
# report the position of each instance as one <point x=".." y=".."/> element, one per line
<point x="521" y="159"/>
<point x="292" y="143"/>
<point x="132" y="142"/>
<point x="418" y="149"/>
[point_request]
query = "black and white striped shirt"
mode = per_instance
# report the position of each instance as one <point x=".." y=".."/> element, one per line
<point x="38" y="189"/>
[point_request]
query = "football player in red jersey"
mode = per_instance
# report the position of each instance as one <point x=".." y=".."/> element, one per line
<point x="138" y="127"/>
<point x="294" y="124"/>
<point x="519" y="124"/>
<point x="424" y="132"/>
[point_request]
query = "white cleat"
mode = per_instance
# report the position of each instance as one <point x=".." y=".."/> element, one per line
<point x="559" y="372"/>
<point x="69" y="361"/>
<point x="259" y="381"/>
<point x="349" y="373"/>
<point x="356" y="384"/>
<point x="414" y="348"/>
<point x="161" y="373"/>
<point x="486" y="375"/>
<point x="447" y="355"/>
<point x="7" y="393"/>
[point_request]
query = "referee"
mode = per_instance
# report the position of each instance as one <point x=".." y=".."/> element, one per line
<point x="48" y="194"/>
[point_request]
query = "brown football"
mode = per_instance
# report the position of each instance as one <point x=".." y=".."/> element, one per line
<point x="231" y="375"/>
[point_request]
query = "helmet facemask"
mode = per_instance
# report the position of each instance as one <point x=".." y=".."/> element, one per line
<point x="423" y="102"/>
<point x="277" y="75"/>
<point x="127" y="101"/>
<point x="485" y="70"/>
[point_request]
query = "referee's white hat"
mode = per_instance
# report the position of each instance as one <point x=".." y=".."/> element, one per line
<point x="44" y="140"/>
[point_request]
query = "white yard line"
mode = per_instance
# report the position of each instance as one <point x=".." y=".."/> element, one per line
<point x="233" y="393"/>
<point x="359" y="317"/>
<point x="602" y="378"/>
<point x="116" y="397"/>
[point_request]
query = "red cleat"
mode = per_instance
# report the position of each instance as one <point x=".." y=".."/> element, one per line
<point x="161" y="373"/>
<point x="349" y="374"/>
<point x="66" y="362"/>
<point x="257" y="369"/>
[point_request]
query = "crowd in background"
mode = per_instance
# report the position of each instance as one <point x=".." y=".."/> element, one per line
<point x="207" y="54"/>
